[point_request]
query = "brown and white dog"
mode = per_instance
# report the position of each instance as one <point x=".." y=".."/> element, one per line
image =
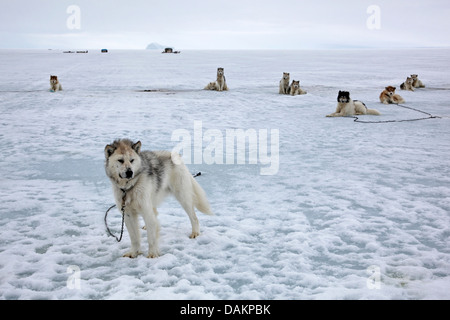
<point x="295" y="88"/>
<point x="54" y="84"/>
<point x="416" y="82"/>
<point x="389" y="96"/>
<point x="408" y="84"/>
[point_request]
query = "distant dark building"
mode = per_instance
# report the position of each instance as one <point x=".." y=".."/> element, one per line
<point x="170" y="50"/>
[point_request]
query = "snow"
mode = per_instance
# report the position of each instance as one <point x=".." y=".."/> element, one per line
<point x="354" y="211"/>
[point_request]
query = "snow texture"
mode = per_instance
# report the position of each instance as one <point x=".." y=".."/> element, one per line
<point x="355" y="211"/>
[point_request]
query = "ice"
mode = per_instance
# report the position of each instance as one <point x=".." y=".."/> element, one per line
<point x="355" y="210"/>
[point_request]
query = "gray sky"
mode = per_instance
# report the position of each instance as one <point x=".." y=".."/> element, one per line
<point x="226" y="24"/>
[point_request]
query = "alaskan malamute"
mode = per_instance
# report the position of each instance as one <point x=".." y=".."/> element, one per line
<point x="348" y="107"/>
<point x="141" y="180"/>
<point x="54" y="84"/>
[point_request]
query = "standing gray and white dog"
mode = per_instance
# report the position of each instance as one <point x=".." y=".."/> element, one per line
<point x="141" y="180"/>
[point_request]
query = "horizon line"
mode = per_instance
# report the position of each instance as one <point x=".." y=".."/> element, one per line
<point x="239" y="49"/>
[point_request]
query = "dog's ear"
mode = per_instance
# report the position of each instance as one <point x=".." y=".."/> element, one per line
<point x="109" y="150"/>
<point x="137" y="147"/>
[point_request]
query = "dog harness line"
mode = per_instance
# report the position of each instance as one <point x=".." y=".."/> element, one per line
<point x="122" y="209"/>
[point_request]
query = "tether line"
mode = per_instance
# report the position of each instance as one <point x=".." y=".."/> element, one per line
<point x="430" y="116"/>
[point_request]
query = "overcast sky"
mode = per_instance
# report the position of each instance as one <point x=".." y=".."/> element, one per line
<point x="226" y="24"/>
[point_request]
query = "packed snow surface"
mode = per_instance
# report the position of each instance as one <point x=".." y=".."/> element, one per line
<point x="349" y="210"/>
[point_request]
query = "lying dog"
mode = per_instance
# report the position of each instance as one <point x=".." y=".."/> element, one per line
<point x="416" y="82"/>
<point x="348" y="107"/>
<point x="408" y="84"/>
<point x="295" y="88"/>
<point x="389" y="96"/>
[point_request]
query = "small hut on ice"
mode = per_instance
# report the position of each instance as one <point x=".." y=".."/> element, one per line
<point x="170" y="50"/>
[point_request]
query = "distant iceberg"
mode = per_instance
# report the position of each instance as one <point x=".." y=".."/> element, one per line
<point x="155" y="46"/>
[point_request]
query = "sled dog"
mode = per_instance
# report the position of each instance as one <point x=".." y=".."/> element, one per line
<point x="416" y="82"/>
<point x="284" y="84"/>
<point x="141" y="180"/>
<point x="348" y="107"/>
<point x="389" y="96"/>
<point x="211" y="86"/>
<point x="408" y="84"/>
<point x="295" y="88"/>
<point x="54" y="84"/>
<point x="220" y="84"/>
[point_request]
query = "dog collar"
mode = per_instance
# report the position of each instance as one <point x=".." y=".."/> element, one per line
<point x="125" y="190"/>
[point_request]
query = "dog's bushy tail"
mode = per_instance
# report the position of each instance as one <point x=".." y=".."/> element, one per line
<point x="373" y="112"/>
<point x="200" y="200"/>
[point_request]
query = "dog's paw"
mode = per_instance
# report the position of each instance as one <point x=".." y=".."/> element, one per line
<point x="152" y="254"/>
<point x="194" y="235"/>
<point x="132" y="254"/>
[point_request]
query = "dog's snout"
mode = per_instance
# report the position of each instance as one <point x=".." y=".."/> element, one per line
<point x="129" y="173"/>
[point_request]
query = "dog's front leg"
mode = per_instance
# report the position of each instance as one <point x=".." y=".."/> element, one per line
<point x="132" y="223"/>
<point x="152" y="226"/>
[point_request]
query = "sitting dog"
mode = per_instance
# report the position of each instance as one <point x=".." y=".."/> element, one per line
<point x="416" y="82"/>
<point x="220" y="84"/>
<point x="54" y="84"/>
<point x="221" y="81"/>
<point x="284" y="84"/>
<point x="295" y="88"/>
<point x="408" y="84"/>
<point x="348" y="107"/>
<point x="141" y="180"/>
<point x="389" y="96"/>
